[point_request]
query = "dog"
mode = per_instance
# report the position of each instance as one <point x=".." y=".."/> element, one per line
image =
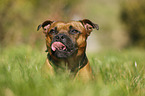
<point x="66" y="46"/>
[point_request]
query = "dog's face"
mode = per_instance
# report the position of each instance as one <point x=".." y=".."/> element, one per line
<point x="66" y="39"/>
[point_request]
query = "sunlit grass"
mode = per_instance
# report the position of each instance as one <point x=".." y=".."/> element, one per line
<point x="117" y="73"/>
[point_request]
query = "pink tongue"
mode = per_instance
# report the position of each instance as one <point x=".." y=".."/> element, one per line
<point x="58" y="45"/>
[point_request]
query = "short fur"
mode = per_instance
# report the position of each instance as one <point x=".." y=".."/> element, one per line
<point x="73" y="35"/>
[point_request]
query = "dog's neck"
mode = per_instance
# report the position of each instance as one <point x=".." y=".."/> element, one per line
<point x="70" y="64"/>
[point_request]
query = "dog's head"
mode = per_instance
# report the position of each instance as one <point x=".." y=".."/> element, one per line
<point x="66" y="39"/>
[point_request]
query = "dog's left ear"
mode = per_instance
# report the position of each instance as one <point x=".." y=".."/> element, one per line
<point x="89" y="25"/>
<point x="45" y="25"/>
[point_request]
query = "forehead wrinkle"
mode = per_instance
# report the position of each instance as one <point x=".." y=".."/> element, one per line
<point x="78" y="25"/>
<point x="65" y="26"/>
<point x="61" y="26"/>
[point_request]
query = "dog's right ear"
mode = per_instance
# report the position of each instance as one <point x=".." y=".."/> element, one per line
<point x="45" y="25"/>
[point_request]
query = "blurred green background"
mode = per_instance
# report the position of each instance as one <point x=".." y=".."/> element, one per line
<point x="121" y="21"/>
<point x="118" y="66"/>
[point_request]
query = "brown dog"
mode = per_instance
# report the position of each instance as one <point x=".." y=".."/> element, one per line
<point x="66" y="46"/>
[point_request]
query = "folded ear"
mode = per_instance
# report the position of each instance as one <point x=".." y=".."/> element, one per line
<point x="45" y="25"/>
<point x="89" y="25"/>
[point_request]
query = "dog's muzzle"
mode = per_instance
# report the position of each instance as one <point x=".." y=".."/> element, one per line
<point x="62" y="46"/>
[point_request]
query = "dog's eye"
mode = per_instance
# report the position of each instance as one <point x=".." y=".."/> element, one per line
<point x="53" y="31"/>
<point x="74" y="31"/>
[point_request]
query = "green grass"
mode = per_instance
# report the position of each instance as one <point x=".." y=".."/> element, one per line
<point x="115" y="74"/>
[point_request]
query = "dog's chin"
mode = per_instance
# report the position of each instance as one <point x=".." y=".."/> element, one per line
<point x="63" y="53"/>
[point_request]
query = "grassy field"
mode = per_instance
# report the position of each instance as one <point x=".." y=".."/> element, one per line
<point x="117" y="73"/>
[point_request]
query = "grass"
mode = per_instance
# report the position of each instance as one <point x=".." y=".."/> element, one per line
<point x="117" y="73"/>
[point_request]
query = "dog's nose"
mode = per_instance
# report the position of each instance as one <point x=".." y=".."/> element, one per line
<point x="60" y="37"/>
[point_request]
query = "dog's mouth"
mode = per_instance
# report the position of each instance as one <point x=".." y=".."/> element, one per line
<point x="61" y="50"/>
<point x="58" y="46"/>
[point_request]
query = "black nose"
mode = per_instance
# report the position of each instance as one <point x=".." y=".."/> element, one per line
<point x="60" y="37"/>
